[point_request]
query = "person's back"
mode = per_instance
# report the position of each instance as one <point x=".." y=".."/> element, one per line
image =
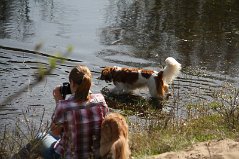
<point x="81" y="127"/>
<point x="76" y="122"/>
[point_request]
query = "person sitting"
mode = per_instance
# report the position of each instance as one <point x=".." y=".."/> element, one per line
<point x="76" y="121"/>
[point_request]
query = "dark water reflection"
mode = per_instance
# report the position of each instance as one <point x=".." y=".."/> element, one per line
<point x="203" y="35"/>
<point x="200" y="33"/>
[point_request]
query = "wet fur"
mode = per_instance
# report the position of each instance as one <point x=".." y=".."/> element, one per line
<point x="128" y="79"/>
<point x="114" y="137"/>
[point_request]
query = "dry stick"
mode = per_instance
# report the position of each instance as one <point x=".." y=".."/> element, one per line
<point x="21" y="131"/>
<point x="37" y="53"/>
<point x="27" y="123"/>
<point x="207" y="145"/>
<point x="41" y="121"/>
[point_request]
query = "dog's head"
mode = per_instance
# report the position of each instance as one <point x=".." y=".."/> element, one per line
<point x="107" y="74"/>
<point x="114" y="128"/>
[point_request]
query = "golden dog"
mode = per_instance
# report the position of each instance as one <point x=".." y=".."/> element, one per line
<point x="114" y="137"/>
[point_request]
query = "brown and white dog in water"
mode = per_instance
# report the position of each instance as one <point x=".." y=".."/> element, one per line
<point x="114" y="137"/>
<point x="128" y="79"/>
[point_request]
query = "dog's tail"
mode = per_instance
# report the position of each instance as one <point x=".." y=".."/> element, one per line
<point x="120" y="149"/>
<point x="171" y="70"/>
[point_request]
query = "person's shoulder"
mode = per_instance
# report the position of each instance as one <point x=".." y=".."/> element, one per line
<point x="65" y="103"/>
<point x="98" y="97"/>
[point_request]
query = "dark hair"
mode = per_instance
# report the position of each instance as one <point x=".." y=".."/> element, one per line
<point x="81" y="75"/>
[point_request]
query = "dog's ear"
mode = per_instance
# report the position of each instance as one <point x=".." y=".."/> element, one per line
<point x="110" y="74"/>
<point x="102" y="77"/>
<point x="106" y="74"/>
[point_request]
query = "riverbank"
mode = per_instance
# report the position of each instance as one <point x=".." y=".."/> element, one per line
<point x="213" y="149"/>
<point x="206" y="112"/>
<point x="209" y="129"/>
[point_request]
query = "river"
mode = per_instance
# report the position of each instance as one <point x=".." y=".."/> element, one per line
<point x="203" y="35"/>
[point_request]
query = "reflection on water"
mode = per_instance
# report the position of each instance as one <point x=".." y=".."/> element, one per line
<point x="200" y="33"/>
<point x="15" y="20"/>
<point x="203" y="35"/>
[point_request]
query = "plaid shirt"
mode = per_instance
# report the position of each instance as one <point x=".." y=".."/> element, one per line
<point x="81" y="125"/>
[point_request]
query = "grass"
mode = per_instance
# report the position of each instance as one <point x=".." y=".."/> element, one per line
<point x="154" y="130"/>
<point x="24" y="131"/>
<point x="178" y="136"/>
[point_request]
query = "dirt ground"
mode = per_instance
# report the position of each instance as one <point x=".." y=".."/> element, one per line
<point x="216" y="149"/>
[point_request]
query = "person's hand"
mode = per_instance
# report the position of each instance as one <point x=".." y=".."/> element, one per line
<point x="57" y="94"/>
<point x="56" y="130"/>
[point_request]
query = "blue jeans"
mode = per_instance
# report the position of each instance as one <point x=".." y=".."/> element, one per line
<point x="47" y="146"/>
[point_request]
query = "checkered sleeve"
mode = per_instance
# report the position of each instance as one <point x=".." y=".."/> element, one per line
<point x="101" y="99"/>
<point x="58" y="115"/>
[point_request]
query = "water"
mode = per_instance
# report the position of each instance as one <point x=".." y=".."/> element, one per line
<point x="202" y="35"/>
